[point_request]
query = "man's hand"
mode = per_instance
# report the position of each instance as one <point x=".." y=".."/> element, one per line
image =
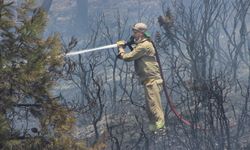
<point x="121" y="52"/>
<point x="121" y="44"/>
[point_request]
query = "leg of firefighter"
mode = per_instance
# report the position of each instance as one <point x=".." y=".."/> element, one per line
<point x="153" y="105"/>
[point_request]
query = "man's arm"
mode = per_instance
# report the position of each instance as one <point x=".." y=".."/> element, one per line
<point x="133" y="55"/>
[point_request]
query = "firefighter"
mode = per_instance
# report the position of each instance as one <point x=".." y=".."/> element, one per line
<point x="147" y="69"/>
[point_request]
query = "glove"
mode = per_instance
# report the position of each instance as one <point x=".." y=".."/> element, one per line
<point x="121" y="43"/>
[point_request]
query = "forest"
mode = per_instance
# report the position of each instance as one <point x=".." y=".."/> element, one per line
<point x="94" y="101"/>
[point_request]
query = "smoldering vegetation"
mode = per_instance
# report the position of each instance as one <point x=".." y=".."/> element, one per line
<point x="204" y="49"/>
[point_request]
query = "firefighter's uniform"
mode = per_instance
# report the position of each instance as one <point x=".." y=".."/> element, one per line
<point x="147" y="69"/>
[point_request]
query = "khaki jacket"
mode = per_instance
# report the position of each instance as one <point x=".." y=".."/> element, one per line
<point x="146" y="66"/>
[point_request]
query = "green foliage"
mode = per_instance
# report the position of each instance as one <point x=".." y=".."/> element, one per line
<point x="4" y="130"/>
<point x="29" y="67"/>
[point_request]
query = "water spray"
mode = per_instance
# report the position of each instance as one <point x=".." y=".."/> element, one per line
<point x="92" y="49"/>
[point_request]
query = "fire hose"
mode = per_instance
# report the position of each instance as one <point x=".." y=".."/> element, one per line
<point x="169" y="99"/>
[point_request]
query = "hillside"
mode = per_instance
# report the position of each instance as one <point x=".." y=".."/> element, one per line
<point x="204" y="62"/>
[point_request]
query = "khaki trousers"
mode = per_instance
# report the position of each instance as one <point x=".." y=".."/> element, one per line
<point x="152" y="88"/>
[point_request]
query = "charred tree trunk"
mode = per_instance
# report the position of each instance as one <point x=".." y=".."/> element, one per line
<point x="1" y="3"/>
<point x="81" y="17"/>
<point x="46" y="5"/>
